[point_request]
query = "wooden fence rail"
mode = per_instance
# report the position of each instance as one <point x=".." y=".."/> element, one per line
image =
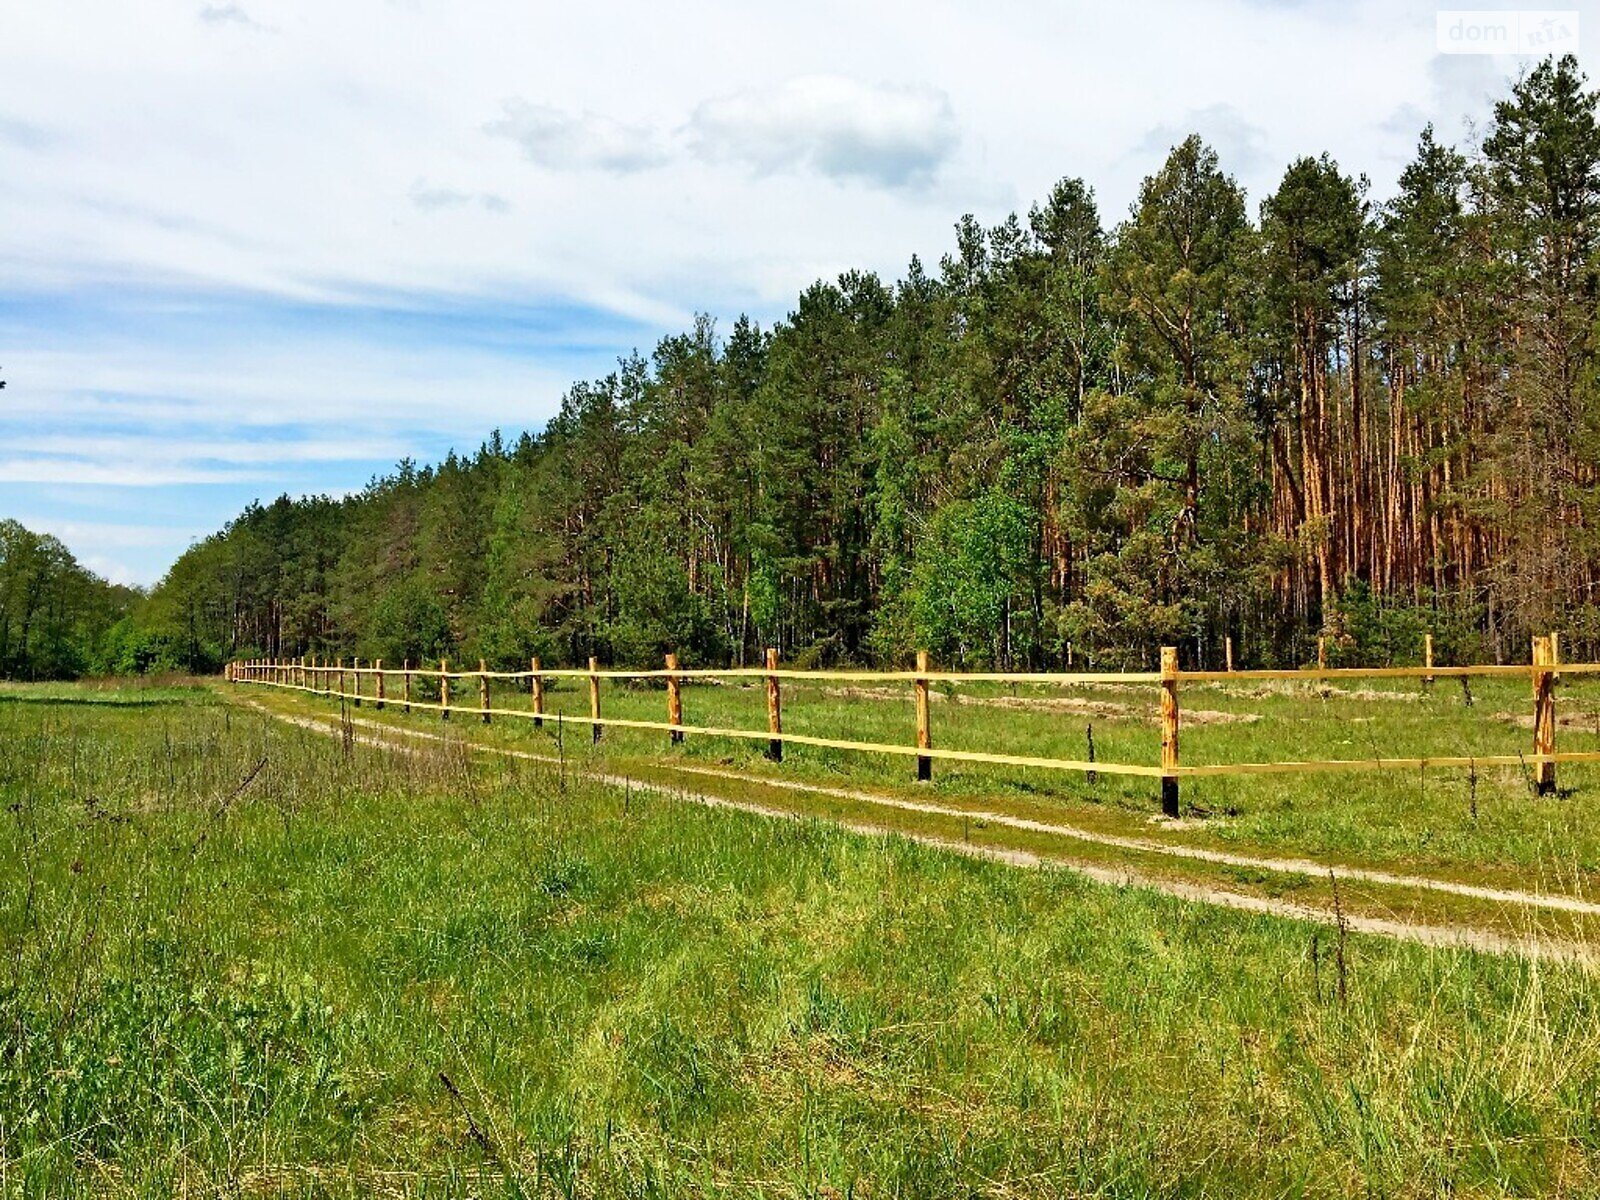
<point x="1543" y="671"/>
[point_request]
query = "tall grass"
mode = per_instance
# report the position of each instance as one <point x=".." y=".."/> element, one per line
<point x="237" y="957"/>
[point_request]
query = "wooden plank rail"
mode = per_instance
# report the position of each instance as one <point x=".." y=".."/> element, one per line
<point x="334" y="680"/>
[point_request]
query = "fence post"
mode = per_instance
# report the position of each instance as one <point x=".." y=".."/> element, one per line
<point x="1169" y="730"/>
<point x="377" y="668"/>
<point x="1544" y="714"/>
<point x="924" y="728"/>
<point x="1427" y="658"/>
<point x="538" y="694"/>
<point x="444" y="689"/>
<point x="405" y="681"/>
<point x="774" y="709"/>
<point x="674" y="702"/>
<point x="1227" y="646"/>
<point x="1555" y="657"/>
<point x="594" y="697"/>
<point x="341" y="684"/>
<point x="483" y="688"/>
<point x="355" y="675"/>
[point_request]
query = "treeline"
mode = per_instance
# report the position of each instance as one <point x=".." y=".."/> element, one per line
<point x="1340" y="417"/>
<point x="58" y="620"/>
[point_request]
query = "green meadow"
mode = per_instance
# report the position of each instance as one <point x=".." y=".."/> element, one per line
<point x="1477" y="824"/>
<point x="244" y="958"/>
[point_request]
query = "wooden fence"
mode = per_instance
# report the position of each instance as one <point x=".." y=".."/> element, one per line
<point x="337" y="680"/>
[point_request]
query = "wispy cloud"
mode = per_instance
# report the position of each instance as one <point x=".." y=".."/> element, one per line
<point x="151" y="400"/>
<point x="24" y="135"/>
<point x="887" y="134"/>
<point x="231" y="14"/>
<point x="82" y="472"/>
<point x="156" y="450"/>
<point x="431" y="198"/>
<point x="890" y="135"/>
<point x="563" y="140"/>
<point x="1240" y="143"/>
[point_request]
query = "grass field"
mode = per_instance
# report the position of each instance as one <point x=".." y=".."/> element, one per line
<point x="1476" y="824"/>
<point x="243" y="958"/>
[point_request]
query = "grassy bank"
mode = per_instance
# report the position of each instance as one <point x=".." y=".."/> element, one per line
<point x="238" y="955"/>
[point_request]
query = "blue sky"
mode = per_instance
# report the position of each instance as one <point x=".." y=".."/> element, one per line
<point x="271" y="246"/>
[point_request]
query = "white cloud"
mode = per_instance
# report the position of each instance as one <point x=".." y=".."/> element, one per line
<point x="162" y="450"/>
<point x="124" y="473"/>
<point x="888" y="134"/>
<point x="430" y="198"/>
<point x="1240" y="143"/>
<point x="230" y="14"/>
<point x="565" y="141"/>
